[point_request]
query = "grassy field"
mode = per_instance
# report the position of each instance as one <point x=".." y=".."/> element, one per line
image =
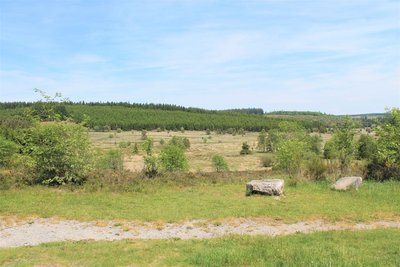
<point x="161" y="201"/>
<point x="199" y="154"/>
<point x="345" y="248"/>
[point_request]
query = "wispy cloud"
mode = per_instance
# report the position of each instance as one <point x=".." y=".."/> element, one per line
<point x="270" y="54"/>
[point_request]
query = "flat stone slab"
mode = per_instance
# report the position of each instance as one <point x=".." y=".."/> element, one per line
<point x="345" y="183"/>
<point x="271" y="187"/>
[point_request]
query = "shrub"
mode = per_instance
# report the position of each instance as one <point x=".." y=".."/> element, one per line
<point x="386" y="162"/>
<point x="262" y="141"/>
<point x="7" y="150"/>
<point x="181" y="142"/>
<point x="289" y="156"/>
<point x="245" y="149"/>
<point x="147" y="146"/>
<point x="62" y="153"/>
<point x="267" y="161"/>
<point x="173" y="158"/>
<point x="219" y="163"/>
<point x="150" y="168"/>
<point x="119" y="130"/>
<point x="208" y="132"/>
<point x="366" y="147"/>
<point x="182" y="130"/>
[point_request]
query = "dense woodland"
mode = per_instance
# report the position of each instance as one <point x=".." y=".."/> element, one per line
<point x="127" y="116"/>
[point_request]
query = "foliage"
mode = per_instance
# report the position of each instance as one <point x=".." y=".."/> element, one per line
<point x="262" y="141"/>
<point x="135" y="149"/>
<point x="61" y="151"/>
<point x="290" y="155"/>
<point x="386" y="162"/>
<point x="341" y="146"/>
<point x="366" y="147"/>
<point x="147" y="145"/>
<point x="150" y="168"/>
<point x="181" y="142"/>
<point x="245" y="149"/>
<point x="219" y="163"/>
<point x="172" y="158"/>
<point x="7" y="150"/>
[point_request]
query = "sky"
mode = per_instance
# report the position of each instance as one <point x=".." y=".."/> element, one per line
<point x="333" y="56"/>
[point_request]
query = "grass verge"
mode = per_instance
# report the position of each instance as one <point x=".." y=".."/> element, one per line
<point x="162" y="202"/>
<point x="344" y="248"/>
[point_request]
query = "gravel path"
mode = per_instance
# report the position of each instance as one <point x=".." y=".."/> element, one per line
<point x="16" y="233"/>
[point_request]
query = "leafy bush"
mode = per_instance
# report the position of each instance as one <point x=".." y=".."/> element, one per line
<point x="181" y="142"/>
<point x="386" y="162"/>
<point x="147" y="146"/>
<point x="290" y="155"/>
<point x="245" y="149"/>
<point x="173" y="158"/>
<point x="150" y="168"/>
<point x="7" y="150"/>
<point x="219" y="163"/>
<point x="61" y="151"/>
<point x="366" y="147"/>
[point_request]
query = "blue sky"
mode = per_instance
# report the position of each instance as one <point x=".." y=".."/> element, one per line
<point x="339" y="57"/>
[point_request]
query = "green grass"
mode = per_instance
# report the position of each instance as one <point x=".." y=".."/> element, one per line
<point x="344" y="248"/>
<point x="164" y="202"/>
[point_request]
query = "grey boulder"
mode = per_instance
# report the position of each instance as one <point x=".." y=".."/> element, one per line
<point x="272" y="187"/>
<point x="345" y="183"/>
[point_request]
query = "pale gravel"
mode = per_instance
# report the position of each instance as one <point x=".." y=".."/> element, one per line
<point x="16" y="233"/>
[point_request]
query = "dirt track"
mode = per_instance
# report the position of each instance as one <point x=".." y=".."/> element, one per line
<point x="16" y="233"/>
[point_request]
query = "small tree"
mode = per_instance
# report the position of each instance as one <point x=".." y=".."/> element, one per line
<point x="289" y="156"/>
<point x="262" y="141"/>
<point x="366" y="147"/>
<point x="147" y="146"/>
<point x="182" y="142"/>
<point x="245" y="149"/>
<point x="172" y="158"/>
<point x="386" y="162"/>
<point x="219" y="163"/>
<point x="150" y="168"/>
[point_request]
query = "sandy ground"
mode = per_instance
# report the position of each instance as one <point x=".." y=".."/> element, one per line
<point x="16" y="233"/>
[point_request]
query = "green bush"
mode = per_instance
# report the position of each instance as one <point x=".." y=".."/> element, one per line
<point x="147" y="146"/>
<point x="219" y="163"/>
<point x="386" y="162"/>
<point x="7" y="150"/>
<point x="150" y="168"/>
<point x="289" y="156"/>
<point x="245" y="149"/>
<point x="61" y="152"/>
<point x="181" y="142"/>
<point x="173" y="158"/>
<point x="366" y="147"/>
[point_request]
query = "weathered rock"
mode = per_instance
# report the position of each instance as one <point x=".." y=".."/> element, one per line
<point x="272" y="187"/>
<point x="345" y="183"/>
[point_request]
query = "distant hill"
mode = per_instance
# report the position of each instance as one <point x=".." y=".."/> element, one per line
<point x="128" y="116"/>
